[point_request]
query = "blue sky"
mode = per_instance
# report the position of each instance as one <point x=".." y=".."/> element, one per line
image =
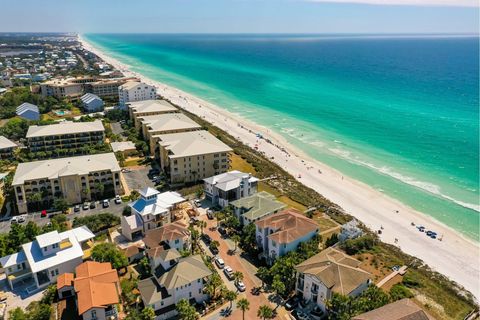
<point x="241" y="16"/>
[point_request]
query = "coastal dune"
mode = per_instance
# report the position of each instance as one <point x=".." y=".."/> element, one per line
<point x="454" y="256"/>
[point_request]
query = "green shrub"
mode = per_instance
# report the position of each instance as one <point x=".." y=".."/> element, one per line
<point x="399" y="291"/>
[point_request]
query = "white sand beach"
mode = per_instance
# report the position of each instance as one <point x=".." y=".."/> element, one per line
<point x="455" y="256"/>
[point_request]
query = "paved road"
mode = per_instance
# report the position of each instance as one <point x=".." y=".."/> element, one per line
<point x="137" y="178"/>
<point x="115" y="209"/>
<point x="238" y="264"/>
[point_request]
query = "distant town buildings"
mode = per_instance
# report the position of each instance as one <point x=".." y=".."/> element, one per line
<point x="28" y="111"/>
<point x="91" y="102"/>
<point x="192" y="156"/>
<point x="48" y="256"/>
<point x="283" y="232"/>
<point x="135" y="91"/>
<point x="229" y="186"/>
<point x="327" y="272"/>
<point x="75" y="179"/>
<point x="65" y="135"/>
<point x="257" y="206"/>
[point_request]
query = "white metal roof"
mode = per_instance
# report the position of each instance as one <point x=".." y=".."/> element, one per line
<point x="229" y="180"/>
<point x="64" y="127"/>
<point x="185" y="144"/>
<point x="152" y="106"/>
<point x="169" y="122"/>
<point x="38" y="262"/>
<point x="54" y="168"/>
<point x="122" y="146"/>
<point x="49" y="238"/>
<point x="6" y="143"/>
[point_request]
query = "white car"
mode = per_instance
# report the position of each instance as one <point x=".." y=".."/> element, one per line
<point x="220" y="263"/>
<point x="118" y="200"/>
<point x="228" y="272"/>
<point x="240" y="286"/>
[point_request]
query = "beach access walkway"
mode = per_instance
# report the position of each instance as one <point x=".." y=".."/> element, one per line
<point x="400" y="271"/>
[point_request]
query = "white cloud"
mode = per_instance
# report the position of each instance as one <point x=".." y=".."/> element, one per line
<point x="455" y="3"/>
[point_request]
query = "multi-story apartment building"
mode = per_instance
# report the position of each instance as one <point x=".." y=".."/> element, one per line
<point x="229" y="186"/>
<point x="186" y="280"/>
<point x="132" y="91"/>
<point x="141" y="109"/>
<point x="75" y="87"/>
<point x="65" y="135"/>
<point x="150" y="211"/>
<point x="327" y="272"/>
<point x="96" y="287"/>
<point x="75" y="179"/>
<point x="152" y="126"/>
<point x="6" y="148"/>
<point x="255" y="207"/>
<point x="283" y="232"/>
<point x="192" y="156"/>
<point x="48" y="256"/>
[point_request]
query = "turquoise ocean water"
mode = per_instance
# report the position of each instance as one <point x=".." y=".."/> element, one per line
<point x="398" y="113"/>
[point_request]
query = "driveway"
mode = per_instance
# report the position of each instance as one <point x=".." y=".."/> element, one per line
<point x="237" y="264"/>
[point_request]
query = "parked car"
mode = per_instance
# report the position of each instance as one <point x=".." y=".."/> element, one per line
<point x="240" y="286"/>
<point x="214" y="250"/>
<point x="118" y="200"/>
<point x="228" y="272"/>
<point x="194" y="220"/>
<point x="292" y="303"/>
<point x="76" y="208"/>
<point x="105" y="203"/>
<point x="210" y="214"/>
<point x="86" y="205"/>
<point x="206" y="238"/>
<point x="43" y="214"/>
<point x="197" y="203"/>
<point x="222" y="230"/>
<point x="219" y="262"/>
<point x="17" y="219"/>
<point x="300" y="315"/>
<point x="93" y="205"/>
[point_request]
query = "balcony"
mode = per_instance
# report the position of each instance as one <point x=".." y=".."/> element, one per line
<point x="64" y="244"/>
<point x="19" y="274"/>
<point x="111" y="312"/>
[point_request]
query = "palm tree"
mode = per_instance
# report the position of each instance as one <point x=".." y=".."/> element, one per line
<point x="213" y="284"/>
<point x="236" y="239"/>
<point x="202" y="224"/>
<point x="214" y="245"/>
<point x="265" y="312"/>
<point x="230" y="296"/>
<point x="237" y="276"/>
<point x="243" y="305"/>
<point x="220" y="215"/>
<point x="279" y="288"/>
<point x="262" y="274"/>
<point x="186" y="311"/>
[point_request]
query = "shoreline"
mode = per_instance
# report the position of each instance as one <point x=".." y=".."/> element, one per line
<point x="452" y="256"/>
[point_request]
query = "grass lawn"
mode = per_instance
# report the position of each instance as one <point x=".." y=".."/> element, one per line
<point x="237" y="163"/>
<point x="131" y="162"/>
<point x="324" y="222"/>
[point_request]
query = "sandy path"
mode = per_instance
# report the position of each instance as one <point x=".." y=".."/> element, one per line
<point x="455" y="256"/>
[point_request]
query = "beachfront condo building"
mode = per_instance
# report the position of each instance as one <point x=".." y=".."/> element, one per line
<point x="40" y="262"/>
<point x="185" y="280"/>
<point x="153" y="126"/>
<point x="229" y="186"/>
<point x="280" y="233"/>
<point x="74" y="179"/>
<point x="64" y="135"/>
<point x="140" y="109"/>
<point x="132" y="91"/>
<point x="330" y="271"/>
<point x="192" y="156"/>
<point x="76" y="87"/>
<point x="6" y="148"/>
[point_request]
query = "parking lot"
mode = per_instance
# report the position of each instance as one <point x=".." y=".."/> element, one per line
<point x="137" y="178"/>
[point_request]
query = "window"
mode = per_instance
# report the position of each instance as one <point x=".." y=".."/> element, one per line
<point x="52" y="273"/>
<point x="56" y="272"/>
<point x="45" y="249"/>
<point x="94" y="314"/>
<point x="190" y="294"/>
<point x="274" y="243"/>
<point x="177" y="241"/>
